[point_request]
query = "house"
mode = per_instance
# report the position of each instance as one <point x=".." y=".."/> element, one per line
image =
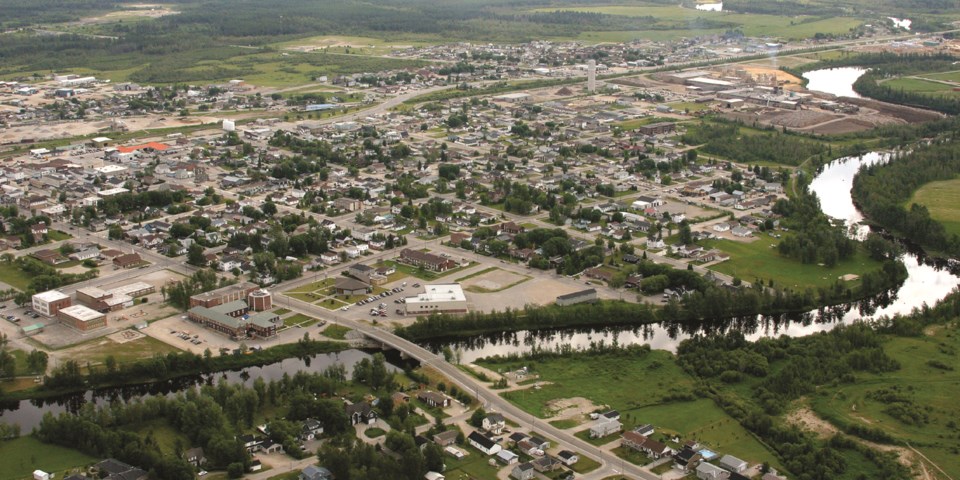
<point x="741" y="231"/>
<point x="545" y="464"/>
<point x="568" y="458"/>
<point x="527" y="447"/>
<point x="271" y="447"/>
<point x="400" y="398"/>
<point x="127" y="260"/>
<point x="445" y="439"/>
<point x="708" y="471"/>
<point x="733" y="464"/>
<point x="434" y="399"/>
<point x="256" y="465"/>
<point x="507" y="457"/>
<point x="605" y="426"/>
<point x="350" y="286"/>
<point x="646" y="430"/>
<point x="311" y="428"/>
<point x="517" y="437"/>
<point x="494" y="423"/>
<point x="250" y="442"/>
<point x="687" y="459"/>
<point x="361" y="412"/>
<point x="313" y="472"/>
<point x="484" y="444"/>
<point x="524" y="471"/>
<point x="330" y="258"/>
<point x="655" y="449"/>
<point x="111" y="469"/>
<point x="195" y="457"/>
<point x="433" y="476"/>
<point x="348" y="204"/>
<point x="611" y="415"/>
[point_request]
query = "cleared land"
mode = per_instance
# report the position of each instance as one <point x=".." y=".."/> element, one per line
<point x="942" y="200"/>
<point x="21" y="456"/>
<point x="926" y="87"/>
<point x="916" y="404"/>
<point x="760" y="259"/>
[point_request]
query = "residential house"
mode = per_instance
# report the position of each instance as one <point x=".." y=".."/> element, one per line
<point x="445" y="438"/>
<point x="545" y="464"/>
<point x="708" y="471"/>
<point x="195" y="456"/>
<point x="507" y="457"/>
<point x="494" y="423"/>
<point x="524" y="471"/>
<point x="568" y="458"/>
<point x="127" y="260"/>
<point x="311" y="429"/>
<point x="111" y="469"/>
<point x="313" y="472"/>
<point x="733" y="464"/>
<point x="361" y="412"/>
<point x="605" y="426"/>
<point x="434" y="399"/>
<point x="484" y="444"/>
<point x="687" y="459"/>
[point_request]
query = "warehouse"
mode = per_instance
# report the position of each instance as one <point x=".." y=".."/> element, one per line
<point x="438" y="298"/>
<point x="82" y="318"/>
<point x="583" y="296"/>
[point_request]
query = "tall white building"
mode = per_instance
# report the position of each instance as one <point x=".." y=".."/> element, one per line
<point x="592" y="76"/>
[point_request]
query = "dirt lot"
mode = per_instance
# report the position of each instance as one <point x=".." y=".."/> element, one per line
<point x="52" y="131"/>
<point x="538" y="290"/>
<point x="570" y="407"/>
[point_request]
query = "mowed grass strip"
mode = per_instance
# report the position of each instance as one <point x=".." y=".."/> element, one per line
<point x="942" y="200"/>
<point x="20" y="457"/>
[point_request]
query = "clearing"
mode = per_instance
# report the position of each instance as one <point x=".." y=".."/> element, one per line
<point x="942" y="200"/>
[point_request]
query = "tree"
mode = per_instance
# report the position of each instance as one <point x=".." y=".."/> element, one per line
<point x="476" y="419"/>
<point x="195" y="255"/>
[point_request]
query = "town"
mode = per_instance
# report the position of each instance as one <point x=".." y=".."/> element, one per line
<point x="224" y="220"/>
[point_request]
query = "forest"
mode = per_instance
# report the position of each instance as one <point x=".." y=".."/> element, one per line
<point x="881" y="192"/>
<point x="733" y="141"/>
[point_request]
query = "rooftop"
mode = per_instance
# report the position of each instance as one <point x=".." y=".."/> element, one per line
<point x="51" y="296"/>
<point x="81" y="313"/>
<point x="441" y="292"/>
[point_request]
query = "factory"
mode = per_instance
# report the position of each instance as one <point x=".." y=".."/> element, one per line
<point x="447" y="298"/>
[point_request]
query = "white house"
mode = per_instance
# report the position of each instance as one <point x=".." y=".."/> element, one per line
<point x="483" y="443"/>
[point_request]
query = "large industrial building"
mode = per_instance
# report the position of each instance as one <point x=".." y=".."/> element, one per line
<point x="82" y="318"/>
<point x="583" y="296"/>
<point x="49" y="303"/>
<point x="445" y="298"/>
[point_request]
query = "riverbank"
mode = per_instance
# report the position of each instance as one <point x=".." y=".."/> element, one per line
<point x="67" y="379"/>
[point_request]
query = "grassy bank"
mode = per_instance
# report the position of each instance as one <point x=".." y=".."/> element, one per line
<point x="21" y="456"/>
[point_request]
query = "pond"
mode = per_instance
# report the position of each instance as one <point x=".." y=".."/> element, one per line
<point x="835" y="81"/>
<point x="928" y="281"/>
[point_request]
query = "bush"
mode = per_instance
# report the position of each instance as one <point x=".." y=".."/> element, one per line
<point x="235" y="470"/>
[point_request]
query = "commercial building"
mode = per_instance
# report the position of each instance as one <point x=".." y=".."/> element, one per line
<point x="350" y="286"/>
<point x="49" y="303"/>
<point x="583" y="296"/>
<point x="223" y="295"/>
<point x="82" y="318"/>
<point x="232" y="318"/>
<point x="260" y="300"/>
<point x="113" y="299"/>
<point x="127" y="260"/>
<point x="438" y="298"/>
<point x="426" y="260"/>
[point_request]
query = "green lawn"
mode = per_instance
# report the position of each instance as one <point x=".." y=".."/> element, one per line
<point x="585" y="465"/>
<point x="374" y="432"/>
<point x="925" y="87"/>
<point x="760" y="259"/>
<point x="21" y="456"/>
<point x="336" y="332"/>
<point x="16" y="278"/>
<point x="632" y="456"/>
<point x="947" y="76"/>
<point x="57" y="235"/>
<point x="164" y="435"/>
<point x="565" y="424"/>
<point x="942" y="200"/>
<point x="473" y="466"/>
<point x="281" y="311"/>
<point x="21" y="363"/>
<point x="299" y="319"/>
<point x="97" y="350"/>
<point x="924" y="387"/>
<point x="476" y="274"/>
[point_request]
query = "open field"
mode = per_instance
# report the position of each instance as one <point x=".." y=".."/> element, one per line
<point x="299" y="320"/>
<point x="163" y="434"/>
<point x="677" y="21"/>
<point x="925" y="412"/>
<point x="942" y="200"/>
<point x="947" y="76"/>
<point x="21" y="456"/>
<point x="473" y="466"/>
<point x="97" y="350"/>
<point x="336" y="332"/>
<point x="760" y="259"/>
<point x="354" y="45"/>
<point x="918" y="85"/>
<point x="13" y="276"/>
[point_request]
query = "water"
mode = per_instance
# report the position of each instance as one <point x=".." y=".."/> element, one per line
<point x="29" y="413"/>
<point x="926" y="283"/>
<point x="903" y="23"/>
<point x="710" y="7"/>
<point x="835" y="81"/>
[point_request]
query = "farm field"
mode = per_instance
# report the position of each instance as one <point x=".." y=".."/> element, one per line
<point x="942" y="200"/>
<point x="918" y="85"/>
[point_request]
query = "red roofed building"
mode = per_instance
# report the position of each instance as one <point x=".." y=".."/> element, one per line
<point x="150" y="146"/>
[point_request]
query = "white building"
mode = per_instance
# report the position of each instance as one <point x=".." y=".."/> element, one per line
<point x="49" y="303"/>
<point x="438" y="298"/>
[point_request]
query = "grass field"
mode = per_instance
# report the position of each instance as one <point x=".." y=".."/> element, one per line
<point x="299" y="319"/>
<point x="97" y="350"/>
<point x="948" y="76"/>
<point x="917" y="85"/>
<point x="16" y="278"/>
<point x="374" y="432"/>
<point x="21" y="363"/>
<point x="21" y="456"/>
<point x="163" y="434"/>
<point x="757" y="259"/>
<point x="675" y="22"/>
<point x="336" y="332"/>
<point x="476" y="274"/>
<point x="585" y="465"/>
<point x="423" y="274"/>
<point x="473" y="466"/>
<point x="928" y="389"/>
<point x="942" y="199"/>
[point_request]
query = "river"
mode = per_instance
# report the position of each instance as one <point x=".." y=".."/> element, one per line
<point x="926" y="283"/>
<point x="835" y="81"/>
<point x="28" y="413"/>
